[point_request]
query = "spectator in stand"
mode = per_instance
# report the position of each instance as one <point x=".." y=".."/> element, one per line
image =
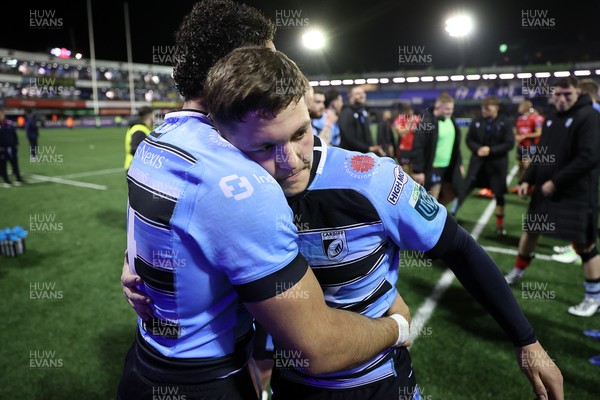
<point x="32" y="132"/>
<point x="385" y="136"/>
<point x="355" y="124"/>
<point x="404" y="127"/>
<point x="528" y="130"/>
<point x="437" y="160"/>
<point x="8" y="151"/>
<point x="322" y="118"/>
<point x="490" y="138"/>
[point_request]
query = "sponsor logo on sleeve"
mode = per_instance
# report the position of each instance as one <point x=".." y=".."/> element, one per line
<point x="335" y="245"/>
<point x="237" y="187"/>
<point x="396" y="190"/>
<point x="423" y="203"/>
<point x="361" y="166"/>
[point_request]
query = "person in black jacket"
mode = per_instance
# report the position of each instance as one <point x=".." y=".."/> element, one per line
<point x="490" y="138"/>
<point x="8" y="151"/>
<point x="355" y="124"/>
<point x="564" y="177"/>
<point x="32" y="131"/>
<point x="437" y="160"/>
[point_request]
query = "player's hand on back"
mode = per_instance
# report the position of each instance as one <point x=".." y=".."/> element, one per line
<point x="136" y="299"/>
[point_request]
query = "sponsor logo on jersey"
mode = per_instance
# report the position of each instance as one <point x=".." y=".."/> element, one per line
<point x="237" y="187"/>
<point x="423" y="203"/>
<point x="361" y="166"/>
<point x="147" y="157"/>
<point x="335" y="245"/>
<point x="396" y="190"/>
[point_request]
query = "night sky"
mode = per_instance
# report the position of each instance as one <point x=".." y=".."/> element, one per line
<point x="363" y="36"/>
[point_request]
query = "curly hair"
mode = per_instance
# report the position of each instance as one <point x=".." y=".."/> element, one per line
<point x="209" y="32"/>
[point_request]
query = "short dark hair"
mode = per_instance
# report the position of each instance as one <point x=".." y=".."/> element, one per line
<point x="143" y="111"/>
<point x="565" y="82"/>
<point x="331" y="95"/>
<point x="252" y="79"/>
<point x="210" y="31"/>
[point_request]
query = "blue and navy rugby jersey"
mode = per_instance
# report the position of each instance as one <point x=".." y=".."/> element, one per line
<point x="356" y="215"/>
<point x="319" y="123"/>
<point x="203" y="234"/>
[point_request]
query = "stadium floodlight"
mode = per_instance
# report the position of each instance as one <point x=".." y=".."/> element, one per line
<point x="441" y="78"/>
<point x="360" y="81"/>
<point x="459" y="25"/>
<point x="336" y="82"/>
<point x="384" y="80"/>
<point x="313" y="39"/>
<point x="597" y="72"/>
<point x="492" y="76"/>
<point x="412" y="79"/>
<point x="507" y="76"/>
<point x="402" y="80"/>
<point x="427" y="79"/>
<point x="561" y="74"/>
<point x="313" y="83"/>
<point x="473" y="77"/>
<point x="78" y="56"/>
<point x="324" y="83"/>
<point x="372" y="81"/>
<point x="542" y="74"/>
<point x="524" y="75"/>
<point x="583" y="72"/>
<point x="348" y="82"/>
<point x="457" y="78"/>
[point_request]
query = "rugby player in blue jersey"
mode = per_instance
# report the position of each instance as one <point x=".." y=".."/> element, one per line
<point x="354" y="213"/>
<point x="203" y="234"/>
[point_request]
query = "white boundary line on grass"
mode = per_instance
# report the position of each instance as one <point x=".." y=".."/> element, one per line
<point x="514" y="252"/>
<point x="67" y="182"/>
<point x="428" y="307"/>
<point x="62" y="178"/>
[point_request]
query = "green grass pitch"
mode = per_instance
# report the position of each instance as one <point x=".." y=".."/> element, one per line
<point x="66" y="327"/>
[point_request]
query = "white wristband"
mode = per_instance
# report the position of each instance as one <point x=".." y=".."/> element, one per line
<point x="403" y="329"/>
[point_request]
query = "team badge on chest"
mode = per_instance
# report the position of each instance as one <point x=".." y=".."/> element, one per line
<point x="335" y="245"/>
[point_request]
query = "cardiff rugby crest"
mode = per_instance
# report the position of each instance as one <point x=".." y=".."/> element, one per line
<point x="335" y="245"/>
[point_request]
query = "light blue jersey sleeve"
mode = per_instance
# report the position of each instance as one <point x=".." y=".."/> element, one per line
<point x="240" y="224"/>
<point x="411" y="216"/>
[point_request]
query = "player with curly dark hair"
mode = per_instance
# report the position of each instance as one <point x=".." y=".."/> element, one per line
<point x="210" y="31"/>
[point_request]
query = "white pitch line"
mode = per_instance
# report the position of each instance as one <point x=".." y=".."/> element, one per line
<point x="428" y="307"/>
<point x="68" y="182"/>
<point x="513" y="252"/>
<point x="92" y="173"/>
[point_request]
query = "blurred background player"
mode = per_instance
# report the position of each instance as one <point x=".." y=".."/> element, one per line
<point x="385" y="135"/>
<point x="490" y="138"/>
<point x="32" y="132"/>
<point x="528" y="130"/>
<point x="404" y="127"/>
<point x="567" y="254"/>
<point x="139" y="128"/>
<point x="8" y="151"/>
<point x="355" y="124"/>
<point x="327" y="127"/>
<point x="437" y="160"/>
<point x="324" y="109"/>
<point x="566" y="189"/>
